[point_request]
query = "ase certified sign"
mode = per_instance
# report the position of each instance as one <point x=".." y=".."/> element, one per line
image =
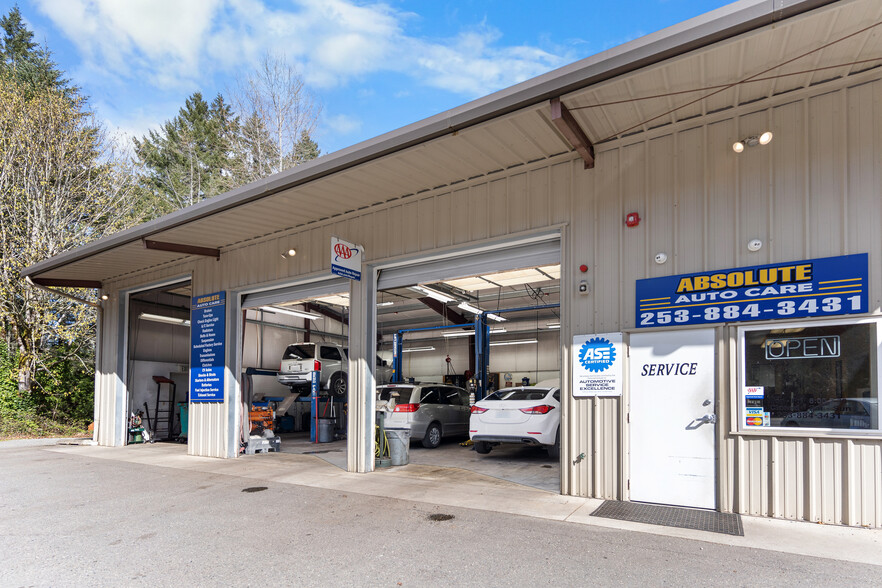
<point x="815" y="287"/>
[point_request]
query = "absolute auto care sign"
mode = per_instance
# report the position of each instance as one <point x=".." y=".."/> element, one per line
<point x="817" y="287"/>
<point x="597" y="365"/>
<point x="346" y="259"/>
<point x="207" y="333"/>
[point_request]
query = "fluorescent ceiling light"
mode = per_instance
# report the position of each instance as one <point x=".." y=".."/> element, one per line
<point x="495" y="317"/>
<point x="553" y="325"/>
<point x="412" y="349"/>
<point x="434" y="294"/>
<point x="470" y="333"/>
<point x="389" y="303"/>
<point x="521" y="342"/>
<point x="297" y="313"/>
<point x="469" y="308"/>
<point x="337" y="299"/>
<point x="159" y="318"/>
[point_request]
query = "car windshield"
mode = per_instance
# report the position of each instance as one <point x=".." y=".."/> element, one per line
<point x="528" y="394"/>
<point x="299" y="352"/>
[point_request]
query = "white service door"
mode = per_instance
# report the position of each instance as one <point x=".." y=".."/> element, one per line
<point x="672" y="430"/>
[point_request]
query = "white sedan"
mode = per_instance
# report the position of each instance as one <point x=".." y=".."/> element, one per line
<point x="528" y="415"/>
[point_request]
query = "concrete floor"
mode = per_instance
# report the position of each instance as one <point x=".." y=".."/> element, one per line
<point x="521" y="464"/>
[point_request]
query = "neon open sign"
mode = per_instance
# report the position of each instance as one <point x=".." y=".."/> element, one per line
<point x="802" y="347"/>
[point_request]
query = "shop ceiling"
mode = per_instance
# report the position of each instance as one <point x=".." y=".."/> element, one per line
<point x="739" y="54"/>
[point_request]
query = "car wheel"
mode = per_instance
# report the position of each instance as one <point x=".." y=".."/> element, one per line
<point x="482" y="447"/>
<point x="338" y="385"/>
<point x="554" y="450"/>
<point x="432" y="439"/>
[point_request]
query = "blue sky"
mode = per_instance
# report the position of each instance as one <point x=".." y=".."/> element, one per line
<point x="373" y="66"/>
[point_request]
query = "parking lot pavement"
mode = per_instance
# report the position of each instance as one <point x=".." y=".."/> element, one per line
<point x="150" y="515"/>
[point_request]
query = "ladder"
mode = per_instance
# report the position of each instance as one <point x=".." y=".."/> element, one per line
<point x="164" y="415"/>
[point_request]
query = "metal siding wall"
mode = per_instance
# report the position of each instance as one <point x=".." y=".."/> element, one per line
<point x="814" y="191"/>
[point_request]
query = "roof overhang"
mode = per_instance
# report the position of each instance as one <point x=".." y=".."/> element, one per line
<point x="509" y="128"/>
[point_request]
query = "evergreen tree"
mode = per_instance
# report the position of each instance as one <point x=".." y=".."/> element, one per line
<point x="189" y="158"/>
<point x="28" y="63"/>
<point x="305" y="149"/>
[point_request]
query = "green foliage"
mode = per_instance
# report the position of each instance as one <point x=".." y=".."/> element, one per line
<point x="26" y="62"/>
<point x="189" y="158"/>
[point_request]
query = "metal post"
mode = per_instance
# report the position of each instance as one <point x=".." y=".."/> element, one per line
<point x="314" y="394"/>
<point x="396" y="357"/>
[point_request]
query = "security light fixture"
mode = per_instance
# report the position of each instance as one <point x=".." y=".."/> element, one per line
<point x="160" y="318"/>
<point x="752" y="141"/>
<point x="307" y="315"/>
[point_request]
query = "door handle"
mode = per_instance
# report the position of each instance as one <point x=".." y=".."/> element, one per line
<point x="710" y="418"/>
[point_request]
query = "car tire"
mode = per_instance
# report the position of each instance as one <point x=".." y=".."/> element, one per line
<point x="483" y="447"/>
<point x="554" y="450"/>
<point x="432" y="438"/>
<point x="338" y="385"/>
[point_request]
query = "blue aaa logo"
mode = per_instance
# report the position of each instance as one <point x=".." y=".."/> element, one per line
<point x="597" y="354"/>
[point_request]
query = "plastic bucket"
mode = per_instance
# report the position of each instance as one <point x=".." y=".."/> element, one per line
<point x="399" y="446"/>
<point x="325" y="431"/>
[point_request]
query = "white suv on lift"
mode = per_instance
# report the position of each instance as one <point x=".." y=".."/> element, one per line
<point x="331" y="360"/>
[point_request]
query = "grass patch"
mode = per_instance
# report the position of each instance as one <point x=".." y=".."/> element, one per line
<point x="27" y="424"/>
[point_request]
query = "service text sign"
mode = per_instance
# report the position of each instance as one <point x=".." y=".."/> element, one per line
<point x="816" y="287"/>
<point x="207" y="345"/>
<point x="346" y="259"/>
<point x="597" y="365"/>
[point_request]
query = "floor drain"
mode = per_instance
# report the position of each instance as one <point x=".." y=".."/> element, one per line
<point x="254" y="489"/>
<point x="440" y="517"/>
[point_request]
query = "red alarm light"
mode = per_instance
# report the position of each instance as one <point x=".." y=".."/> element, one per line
<point x="632" y="219"/>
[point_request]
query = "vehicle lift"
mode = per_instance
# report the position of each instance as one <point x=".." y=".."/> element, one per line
<point x="482" y="346"/>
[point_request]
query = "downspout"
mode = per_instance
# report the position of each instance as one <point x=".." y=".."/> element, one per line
<point x="99" y="323"/>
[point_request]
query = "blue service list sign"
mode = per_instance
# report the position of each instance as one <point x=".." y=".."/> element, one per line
<point x="207" y="338"/>
<point x="811" y="288"/>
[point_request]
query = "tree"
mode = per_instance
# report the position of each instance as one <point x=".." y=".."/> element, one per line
<point x="280" y="115"/>
<point x="26" y="61"/>
<point x="190" y="157"/>
<point x="61" y="186"/>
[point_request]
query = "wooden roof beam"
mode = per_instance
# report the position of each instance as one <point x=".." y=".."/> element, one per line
<point x="182" y="248"/>
<point x="572" y="132"/>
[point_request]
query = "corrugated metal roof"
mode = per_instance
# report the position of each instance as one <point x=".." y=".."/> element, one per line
<point x="513" y="127"/>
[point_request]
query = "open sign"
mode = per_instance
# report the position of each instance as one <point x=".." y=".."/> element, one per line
<point x="802" y="347"/>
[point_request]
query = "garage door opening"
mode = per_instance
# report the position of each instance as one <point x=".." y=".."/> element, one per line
<point x="295" y="373"/>
<point x="158" y="363"/>
<point x="454" y="341"/>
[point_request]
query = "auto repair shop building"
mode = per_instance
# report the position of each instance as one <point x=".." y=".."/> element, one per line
<point x="736" y="289"/>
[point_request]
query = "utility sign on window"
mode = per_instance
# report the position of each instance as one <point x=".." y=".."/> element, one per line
<point x="346" y="259"/>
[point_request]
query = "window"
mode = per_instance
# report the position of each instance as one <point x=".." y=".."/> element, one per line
<point x="331" y="354"/>
<point x="811" y="376"/>
<point x="430" y="396"/>
<point x="299" y="352"/>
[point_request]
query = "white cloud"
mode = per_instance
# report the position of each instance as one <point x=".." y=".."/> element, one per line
<point x="342" y="124"/>
<point x="176" y="44"/>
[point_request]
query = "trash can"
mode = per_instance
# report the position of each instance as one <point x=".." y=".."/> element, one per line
<point x="399" y="446"/>
<point x="325" y="431"/>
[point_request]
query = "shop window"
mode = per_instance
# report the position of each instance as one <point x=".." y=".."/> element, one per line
<point x="810" y="376"/>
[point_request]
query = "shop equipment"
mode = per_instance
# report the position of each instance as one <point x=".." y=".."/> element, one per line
<point x="164" y="414"/>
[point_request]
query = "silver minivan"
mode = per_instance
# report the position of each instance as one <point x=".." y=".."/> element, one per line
<point x="432" y="411"/>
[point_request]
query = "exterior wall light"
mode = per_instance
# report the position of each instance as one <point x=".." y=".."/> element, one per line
<point x="752" y="141"/>
<point x="660" y="258"/>
<point x="754" y="245"/>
